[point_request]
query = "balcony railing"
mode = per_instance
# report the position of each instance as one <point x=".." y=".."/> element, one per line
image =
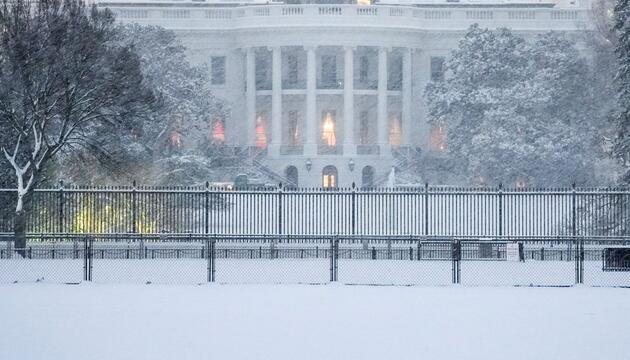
<point x="368" y="150"/>
<point x="291" y="150"/>
<point x="329" y="149"/>
<point x="542" y="16"/>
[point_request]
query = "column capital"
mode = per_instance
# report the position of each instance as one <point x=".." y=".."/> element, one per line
<point x="274" y="48"/>
<point x="386" y="49"/>
<point x="310" y="47"/>
<point x="350" y="48"/>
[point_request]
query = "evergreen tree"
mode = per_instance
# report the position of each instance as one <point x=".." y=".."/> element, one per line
<point x="517" y="111"/>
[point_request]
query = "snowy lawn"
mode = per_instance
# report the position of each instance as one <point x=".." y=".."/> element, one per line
<point x="300" y="322"/>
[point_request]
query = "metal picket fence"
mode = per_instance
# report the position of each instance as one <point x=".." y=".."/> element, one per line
<point x="316" y="259"/>
<point x="424" y="210"/>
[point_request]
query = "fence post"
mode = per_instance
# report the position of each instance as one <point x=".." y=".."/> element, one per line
<point x="500" y="219"/>
<point x="279" y="229"/>
<point x="456" y="254"/>
<point x="353" y="209"/>
<point x="61" y="205"/>
<point x="334" y="247"/>
<point x="208" y="257"/>
<point x="336" y="256"/>
<point x="426" y="209"/>
<point x="133" y="208"/>
<point x="211" y="257"/>
<point x="581" y="256"/>
<point x="573" y="220"/>
<point x="141" y="248"/>
<point x="207" y="209"/>
<point x="87" y="258"/>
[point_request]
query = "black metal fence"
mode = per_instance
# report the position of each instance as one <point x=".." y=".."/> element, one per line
<point x="427" y="211"/>
<point x="313" y="259"/>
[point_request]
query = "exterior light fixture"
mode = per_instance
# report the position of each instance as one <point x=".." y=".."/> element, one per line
<point x="309" y="164"/>
<point x="351" y="165"/>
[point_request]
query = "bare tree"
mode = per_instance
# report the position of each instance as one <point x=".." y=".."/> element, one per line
<point x="62" y="74"/>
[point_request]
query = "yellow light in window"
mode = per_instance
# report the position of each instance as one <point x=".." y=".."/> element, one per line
<point x="395" y="133"/>
<point x="364" y="2"/>
<point x="329" y="181"/>
<point x="328" y="131"/>
<point x="437" y="138"/>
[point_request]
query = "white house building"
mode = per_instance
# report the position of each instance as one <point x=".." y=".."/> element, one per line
<point x="332" y="94"/>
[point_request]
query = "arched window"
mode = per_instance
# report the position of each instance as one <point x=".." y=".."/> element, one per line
<point x="367" y="177"/>
<point x="291" y="174"/>
<point x="329" y="177"/>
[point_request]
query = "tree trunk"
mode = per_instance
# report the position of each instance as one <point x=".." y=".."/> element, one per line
<point x="19" y="228"/>
<point x="20" y="222"/>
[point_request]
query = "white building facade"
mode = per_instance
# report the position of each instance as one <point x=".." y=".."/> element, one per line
<point x="332" y="94"/>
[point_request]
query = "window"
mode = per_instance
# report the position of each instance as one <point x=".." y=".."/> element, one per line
<point x="329" y="70"/>
<point x="261" y="132"/>
<point x="294" y="138"/>
<point x="394" y="81"/>
<point x="364" y="66"/>
<point x="364" y="128"/>
<point x="367" y="177"/>
<point x="437" y="137"/>
<point x="291" y="175"/>
<point x="262" y="73"/>
<point x="437" y="68"/>
<point x="218" y="70"/>
<point x="292" y="65"/>
<point x="395" y="131"/>
<point x="329" y="177"/>
<point x="218" y="131"/>
<point x="328" y="128"/>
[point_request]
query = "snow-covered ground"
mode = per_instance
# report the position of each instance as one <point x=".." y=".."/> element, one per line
<point x="300" y="322"/>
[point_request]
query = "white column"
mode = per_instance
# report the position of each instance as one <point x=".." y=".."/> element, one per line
<point x="406" y="96"/>
<point x="310" y="146"/>
<point x="382" y="123"/>
<point x="349" y="148"/>
<point x="276" y="102"/>
<point x="250" y="113"/>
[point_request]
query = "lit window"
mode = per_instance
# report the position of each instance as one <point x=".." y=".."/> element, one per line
<point x="364" y="2"/>
<point x="218" y="131"/>
<point x="218" y="70"/>
<point x="329" y="177"/>
<point x="261" y="135"/>
<point x="437" y="138"/>
<point x="328" y="129"/>
<point x="395" y="131"/>
<point x="294" y="138"/>
<point x="175" y="139"/>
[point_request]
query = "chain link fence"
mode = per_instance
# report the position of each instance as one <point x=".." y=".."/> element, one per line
<point x="316" y="259"/>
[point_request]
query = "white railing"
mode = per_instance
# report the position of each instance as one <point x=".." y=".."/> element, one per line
<point x="183" y="16"/>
